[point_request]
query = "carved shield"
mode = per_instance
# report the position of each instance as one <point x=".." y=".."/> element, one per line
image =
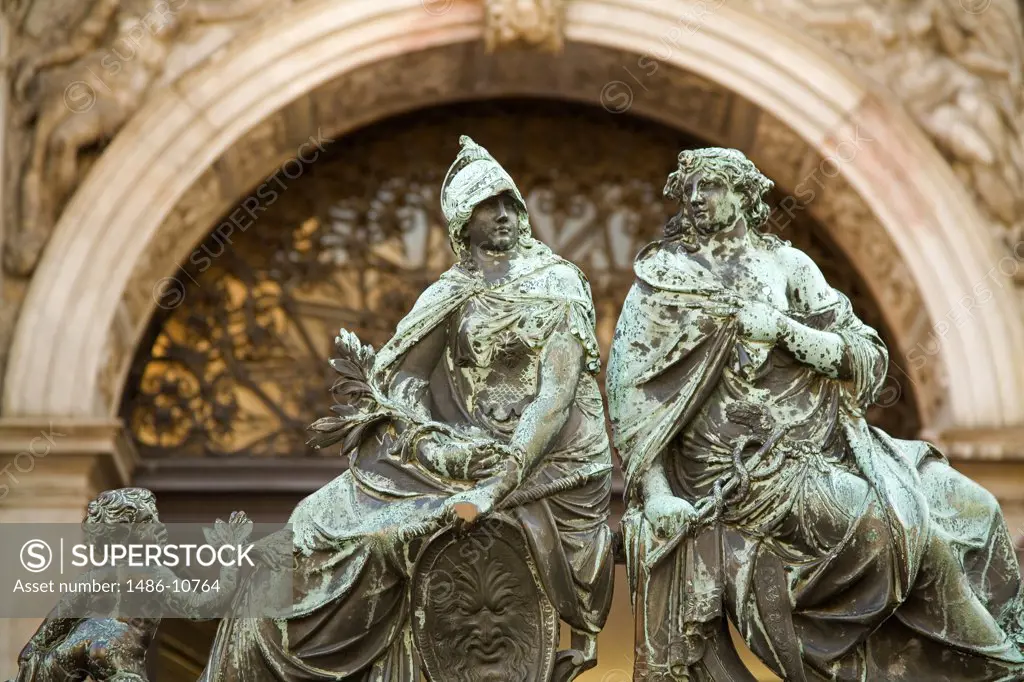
<point x="480" y="612"/>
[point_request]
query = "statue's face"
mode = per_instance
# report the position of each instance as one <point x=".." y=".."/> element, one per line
<point x="494" y="224"/>
<point x="711" y="202"/>
<point x="147" y="520"/>
<point x="487" y="626"/>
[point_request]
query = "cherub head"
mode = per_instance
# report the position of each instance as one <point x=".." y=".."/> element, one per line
<point x="716" y="187"/>
<point x="121" y="508"/>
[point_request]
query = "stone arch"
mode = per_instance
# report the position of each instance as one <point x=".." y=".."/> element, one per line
<point x="919" y="241"/>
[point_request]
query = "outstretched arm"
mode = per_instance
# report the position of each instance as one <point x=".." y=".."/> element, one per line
<point x="196" y="603"/>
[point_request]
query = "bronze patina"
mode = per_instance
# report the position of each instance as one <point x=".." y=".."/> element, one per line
<point x="757" y="492"/>
<point x="67" y="648"/>
<point x="474" y="512"/>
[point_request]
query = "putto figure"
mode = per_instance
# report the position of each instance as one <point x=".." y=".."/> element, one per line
<point x="70" y="649"/>
<point x="755" y="490"/>
<point x="484" y="403"/>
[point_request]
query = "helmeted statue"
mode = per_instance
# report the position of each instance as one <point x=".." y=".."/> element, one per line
<point x="755" y="489"/>
<point x="484" y="404"/>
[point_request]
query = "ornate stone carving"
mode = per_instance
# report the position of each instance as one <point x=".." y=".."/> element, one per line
<point x="78" y="77"/>
<point x="480" y="612"/>
<point x="784" y="155"/>
<point x="536" y="23"/>
<point x="957" y="67"/>
<point x="11" y="295"/>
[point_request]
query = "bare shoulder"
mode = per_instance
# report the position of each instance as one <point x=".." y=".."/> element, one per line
<point x="807" y="288"/>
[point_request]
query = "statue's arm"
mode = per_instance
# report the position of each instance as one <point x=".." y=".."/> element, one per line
<point x="654" y="483"/>
<point x="410" y="381"/>
<point x="195" y="602"/>
<point x="807" y="291"/>
<point x="560" y="368"/>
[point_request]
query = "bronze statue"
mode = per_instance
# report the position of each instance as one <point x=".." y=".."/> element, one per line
<point x="74" y="649"/>
<point x="474" y="512"/>
<point x="755" y="490"/>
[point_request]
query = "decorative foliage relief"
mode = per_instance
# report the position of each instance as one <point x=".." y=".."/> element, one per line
<point x="481" y="614"/>
<point x="236" y="360"/>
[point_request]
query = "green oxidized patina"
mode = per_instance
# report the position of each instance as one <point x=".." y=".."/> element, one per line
<point x="69" y="647"/>
<point x="756" y="491"/>
<point x="484" y="402"/>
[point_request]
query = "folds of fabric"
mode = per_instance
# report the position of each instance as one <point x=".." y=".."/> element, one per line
<point x="843" y="536"/>
<point x="357" y="538"/>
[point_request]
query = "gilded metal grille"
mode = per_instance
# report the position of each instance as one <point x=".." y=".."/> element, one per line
<point x="239" y="367"/>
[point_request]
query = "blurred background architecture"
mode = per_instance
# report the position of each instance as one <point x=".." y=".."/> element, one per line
<point x="196" y="194"/>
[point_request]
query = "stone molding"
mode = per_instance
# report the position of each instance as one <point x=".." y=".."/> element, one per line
<point x="180" y="133"/>
<point x="983" y="444"/>
<point x="64" y="460"/>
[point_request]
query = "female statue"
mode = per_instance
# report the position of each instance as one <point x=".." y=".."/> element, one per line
<point x="738" y="383"/>
<point x="486" y="396"/>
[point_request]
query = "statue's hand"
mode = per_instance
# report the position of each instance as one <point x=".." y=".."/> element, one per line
<point x="472" y="460"/>
<point x="760" y="322"/>
<point x="448" y="459"/>
<point x="668" y="514"/>
<point x="489" y="460"/>
<point x="235" y="531"/>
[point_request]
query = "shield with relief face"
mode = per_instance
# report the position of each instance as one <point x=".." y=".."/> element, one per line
<point x="480" y="613"/>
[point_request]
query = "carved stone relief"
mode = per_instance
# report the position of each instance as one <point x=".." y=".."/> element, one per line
<point x="480" y="612"/>
<point x="536" y="23"/>
<point x="78" y="75"/>
<point x="956" y="66"/>
<point x="456" y="72"/>
<point x="978" y="54"/>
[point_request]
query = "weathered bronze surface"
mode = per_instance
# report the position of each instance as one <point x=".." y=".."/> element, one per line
<point x="480" y="608"/>
<point x="113" y="649"/>
<point x="473" y="517"/>
<point x="738" y="384"/>
<point x="479" y="424"/>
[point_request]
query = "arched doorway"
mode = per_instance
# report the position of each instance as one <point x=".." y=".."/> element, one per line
<point x="743" y="80"/>
<point x="233" y="366"/>
<point x="894" y="207"/>
<point x="235" y="362"/>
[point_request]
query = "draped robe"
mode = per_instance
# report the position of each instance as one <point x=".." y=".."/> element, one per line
<point x="856" y="556"/>
<point x="357" y="539"/>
